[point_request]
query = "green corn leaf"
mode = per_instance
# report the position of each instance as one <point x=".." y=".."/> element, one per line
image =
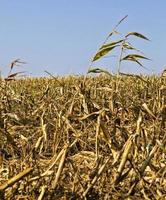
<point x="110" y="44"/>
<point x="129" y="46"/>
<point x="94" y="70"/>
<point x="135" y="60"/>
<point x="137" y="35"/>
<point x="98" y="70"/>
<point x="102" y="52"/>
<point x="134" y="56"/>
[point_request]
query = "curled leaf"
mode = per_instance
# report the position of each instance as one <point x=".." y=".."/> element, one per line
<point x="137" y="35"/>
<point x="15" y="63"/>
<point x="126" y="45"/>
<point x="134" y="56"/>
<point x="98" y="70"/>
<point x="135" y="60"/>
<point x="12" y="76"/>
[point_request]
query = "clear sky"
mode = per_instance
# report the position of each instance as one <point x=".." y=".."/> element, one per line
<point x="61" y="36"/>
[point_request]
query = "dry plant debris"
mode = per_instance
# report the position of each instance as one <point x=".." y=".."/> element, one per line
<point x="77" y="138"/>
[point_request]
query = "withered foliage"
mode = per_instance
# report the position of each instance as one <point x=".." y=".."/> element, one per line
<point x="83" y="138"/>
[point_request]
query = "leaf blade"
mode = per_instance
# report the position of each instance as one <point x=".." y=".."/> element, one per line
<point x="98" y="70"/>
<point x="137" y="35"/>
<point x="134" y="56"/>
<point x="103" y="52"/>
<point x="111" y="44"/>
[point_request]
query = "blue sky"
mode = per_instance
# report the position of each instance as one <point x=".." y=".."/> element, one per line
<point x="61" y="36"/>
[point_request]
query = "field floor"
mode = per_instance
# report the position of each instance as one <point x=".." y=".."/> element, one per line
<point x="75" y="138"/>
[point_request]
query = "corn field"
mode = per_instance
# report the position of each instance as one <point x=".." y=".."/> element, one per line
<point x="73" y="137"/>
